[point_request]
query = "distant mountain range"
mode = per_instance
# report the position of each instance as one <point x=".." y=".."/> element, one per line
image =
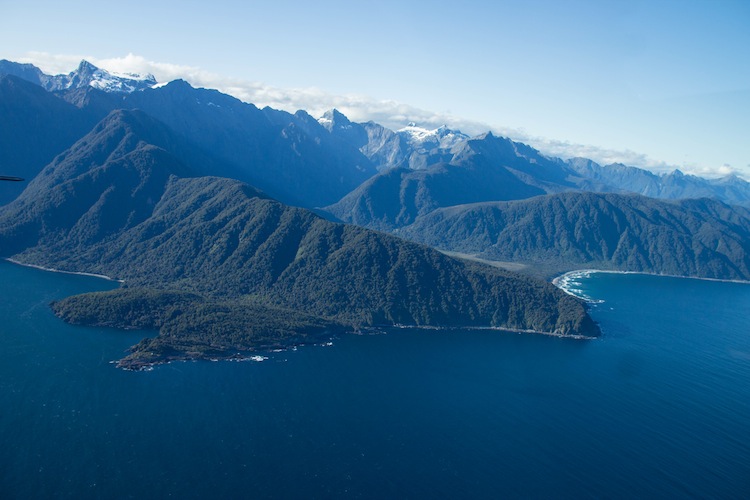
<point x="490" y="168"/>
<point x="284" y="154"/>
<point x="416" y="148"/>
<point x="672" y="186"/>
<point x="202" y="203"/>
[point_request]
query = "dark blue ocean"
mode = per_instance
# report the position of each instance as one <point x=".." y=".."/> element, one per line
<point x="658" y="407"/>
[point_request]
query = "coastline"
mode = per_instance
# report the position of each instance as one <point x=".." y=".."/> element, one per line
<point x="135" y="365"/>
<point x="498" y="329"/>
<point x="143" y="363"/>
<point x="135" y="362"/>
<point x="564" y="279"/>
<point x="260" y="353"/>
<point x="533" y="332"/>
<point x="49" y="269"/>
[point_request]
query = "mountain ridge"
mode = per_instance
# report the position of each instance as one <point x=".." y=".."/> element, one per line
<point x="34" y="128"/>
<point x="696" y="237"/>
<point x="85" y="75"/>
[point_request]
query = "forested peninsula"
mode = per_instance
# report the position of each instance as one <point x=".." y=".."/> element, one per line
<point x="218" y="267"/>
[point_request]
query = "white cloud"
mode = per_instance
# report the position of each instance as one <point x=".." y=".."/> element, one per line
<point x="358" y="108"/>
<point x="711" y="172"/>
<point x="603" y="156"/>
<point x="52" y="64"/>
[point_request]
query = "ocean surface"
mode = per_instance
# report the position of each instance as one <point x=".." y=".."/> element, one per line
<point x="658" y="407"/>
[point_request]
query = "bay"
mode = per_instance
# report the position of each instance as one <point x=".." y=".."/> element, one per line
<point x="660" y="405"/>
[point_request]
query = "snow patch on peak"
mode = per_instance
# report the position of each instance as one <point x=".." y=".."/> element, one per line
<point x="334" y="118"/>
<point x="441" y="137"/>
<point x="120" y="82"/>
<point x="148" y="77"/>
<point x="412" y="131"/>
<point x="88" y="75"/>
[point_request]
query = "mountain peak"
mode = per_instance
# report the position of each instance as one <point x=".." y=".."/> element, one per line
<point x="441" y="138"/>
<point x="731" y="180"/>
<point x="101" y="79"/>
<point x="178" y="86"/>
<point x="86" y="67"/>
<point x="337" y="115"/>
<point x="333" y="118"/>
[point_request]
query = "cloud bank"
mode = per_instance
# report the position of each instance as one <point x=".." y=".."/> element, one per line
<point x="358" y="108"/>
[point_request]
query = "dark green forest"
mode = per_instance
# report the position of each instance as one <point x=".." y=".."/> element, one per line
<point x="702" y="238"/>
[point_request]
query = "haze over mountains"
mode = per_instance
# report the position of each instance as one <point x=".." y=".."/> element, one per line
<point x="202" y="204"/>
<point x="242" y="134"/>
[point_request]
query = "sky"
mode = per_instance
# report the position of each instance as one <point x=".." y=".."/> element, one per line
<point x="656" y="84"/>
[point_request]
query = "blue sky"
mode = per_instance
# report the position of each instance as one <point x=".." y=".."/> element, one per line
<point x="660" y="84"/>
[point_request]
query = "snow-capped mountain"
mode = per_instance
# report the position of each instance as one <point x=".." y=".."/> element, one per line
<point x="89" y="75"/>
<point x="86" y="75"/>
<point x="417" y="148"/>
<point x="425" y="140"/>
<point x="411" y="147"/>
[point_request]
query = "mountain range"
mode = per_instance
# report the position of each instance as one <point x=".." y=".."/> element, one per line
<point x="273" y="150"/>
<point x="491" y="168"/>
<point x="121" y="202"/>
<point x="223" y="219"/>
<point x="289" y="156"/>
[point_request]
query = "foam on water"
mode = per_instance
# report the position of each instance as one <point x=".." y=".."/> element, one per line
<point x="572" y="284"/>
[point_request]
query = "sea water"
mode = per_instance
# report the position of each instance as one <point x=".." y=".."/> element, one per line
<point x="658" y="406"/>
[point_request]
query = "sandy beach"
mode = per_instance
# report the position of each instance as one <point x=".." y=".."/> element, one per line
<point x="42" y="268"/>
